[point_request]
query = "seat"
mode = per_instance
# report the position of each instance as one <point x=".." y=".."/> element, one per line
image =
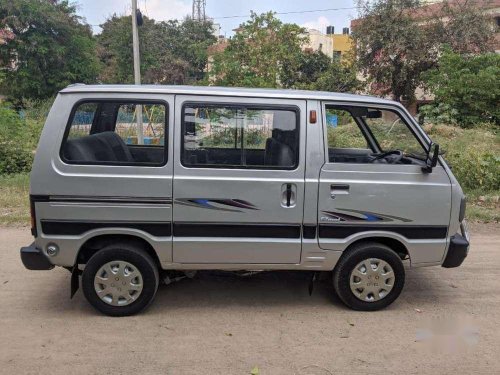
<point x="278" y="153"/>
<point x="101" y="147"/>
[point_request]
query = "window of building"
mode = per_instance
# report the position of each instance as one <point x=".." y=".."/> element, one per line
<point x="112" y="133"/>
<point x="239" y="137"/>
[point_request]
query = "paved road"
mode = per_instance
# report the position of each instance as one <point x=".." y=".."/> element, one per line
<point x="445" y="322"/>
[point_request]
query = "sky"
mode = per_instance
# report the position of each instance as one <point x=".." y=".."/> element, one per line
<point x="96" y="11"/>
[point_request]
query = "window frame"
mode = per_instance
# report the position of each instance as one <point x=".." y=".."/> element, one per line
<point x="366" y="127"/>
<point x="119" y="101"/>
<point x="237" y="106"/>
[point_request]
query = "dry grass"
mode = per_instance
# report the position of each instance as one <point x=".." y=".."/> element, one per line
<point x="14" y="200"/>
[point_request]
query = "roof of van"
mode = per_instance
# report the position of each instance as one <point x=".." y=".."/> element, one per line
<point x="223" y="91"/>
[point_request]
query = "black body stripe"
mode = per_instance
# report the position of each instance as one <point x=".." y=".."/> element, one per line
<point x="237" y="230"/>
<point x="309" y="231"/>
<point x="74" y="228"/>
<point x="164" y="229"/>
<point x="408" y="231"/>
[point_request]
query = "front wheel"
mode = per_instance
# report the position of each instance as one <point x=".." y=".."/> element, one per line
<point x="120" y="280"/>
<point x="369" y="277"/>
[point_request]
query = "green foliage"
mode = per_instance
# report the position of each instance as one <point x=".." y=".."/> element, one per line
<point x="338" y="77"/>
<point x="15" y="153"/>
<point x="312" y="65"/>
<point x="265" y="52"/>
<point x="474" y="154"/>
<point x="49" y="50"/>
<point x="317" y="71"/>
<point x="466" y="89"/>
<point x="268" y="53"/>
<point x="172" y="52"/>
<point x="394" y="47"/>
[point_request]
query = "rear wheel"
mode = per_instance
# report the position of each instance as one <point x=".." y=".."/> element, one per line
<point x="369" y="276"/>
<point x="120" y="280"/>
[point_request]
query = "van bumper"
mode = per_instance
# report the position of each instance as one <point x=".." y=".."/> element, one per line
<point x="34" y="259"/>
<point x="458" y="249"/>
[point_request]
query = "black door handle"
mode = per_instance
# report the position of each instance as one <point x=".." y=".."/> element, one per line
<point x="288" y="194"/>
<point x="339" y="187"/>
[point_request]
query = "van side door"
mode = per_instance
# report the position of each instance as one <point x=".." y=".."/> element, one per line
<point x="238" y="180"/>
<point x="372" y="183"/>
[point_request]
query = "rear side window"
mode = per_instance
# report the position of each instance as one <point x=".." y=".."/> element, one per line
<point x="220" y="136"/>
<point x="116" y="133"/>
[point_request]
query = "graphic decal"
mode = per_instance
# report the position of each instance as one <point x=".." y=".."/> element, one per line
<point x="214" y="204"/>
<point x="356" y="215"/>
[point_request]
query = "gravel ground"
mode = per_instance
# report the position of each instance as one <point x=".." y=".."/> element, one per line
<point x="446" y="321"/>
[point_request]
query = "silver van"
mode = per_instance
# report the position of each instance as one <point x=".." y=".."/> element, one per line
<point x="130" y="183"/>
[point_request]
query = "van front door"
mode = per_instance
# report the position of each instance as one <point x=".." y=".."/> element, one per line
<point x="372" y="183"/>
<point x="238" y="180"/>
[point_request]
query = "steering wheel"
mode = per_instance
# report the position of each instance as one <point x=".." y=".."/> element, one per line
<point x="398" y="155"/>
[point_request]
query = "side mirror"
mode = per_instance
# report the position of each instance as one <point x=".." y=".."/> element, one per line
<point x="432" y="158"/>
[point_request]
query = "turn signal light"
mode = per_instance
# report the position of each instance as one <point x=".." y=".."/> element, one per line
<point x="313" y="117"/>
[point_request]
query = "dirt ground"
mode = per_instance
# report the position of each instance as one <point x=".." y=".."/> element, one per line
<point x="447" y="321"/>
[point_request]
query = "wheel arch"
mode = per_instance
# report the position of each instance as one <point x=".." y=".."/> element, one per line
<point x="95" y="243"/>
<point x="398" y="246"/>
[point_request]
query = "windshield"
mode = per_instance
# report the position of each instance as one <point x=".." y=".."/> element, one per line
<point x="391" y="132"/>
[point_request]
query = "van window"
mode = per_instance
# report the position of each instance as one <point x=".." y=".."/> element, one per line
<point x="342" y="130"/>
<point x="239" y="137"/>
<point x="357" y="134"/>
<point x="391" y="133"/>
<point x="109" y="133"/>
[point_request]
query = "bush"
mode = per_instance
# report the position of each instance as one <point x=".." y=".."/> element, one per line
<point x="473" y="154"/>
<point x="466" y="89"/>
<point x="475" y="169"/>
<point x="16" y="143"/>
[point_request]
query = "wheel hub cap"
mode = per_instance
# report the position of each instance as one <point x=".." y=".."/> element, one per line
<point x="372" y="279"/>
<point x="118" y="283"/>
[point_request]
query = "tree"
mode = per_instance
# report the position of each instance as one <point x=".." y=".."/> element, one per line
<point x="50" y="48"/>
<point x="308" y="69"/>
<point x="316" y="71"/>
<point x="171" y="52"/>
<point x="265" y="52"/>
<point x="397" y="40"/>
<point x="189" y="41"/>
<point x="339" y="77"/>
<point x="466" y="88"/>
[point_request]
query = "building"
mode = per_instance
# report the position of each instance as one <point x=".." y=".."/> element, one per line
<point x="342" y="43"/>
<point x="319" y="42"/>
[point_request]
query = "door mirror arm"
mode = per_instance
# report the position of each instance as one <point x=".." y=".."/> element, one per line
<point x="432" y="158"/>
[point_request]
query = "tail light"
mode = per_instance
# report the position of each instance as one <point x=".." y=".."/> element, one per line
<point x="463" y="205"/>
<point x="33" y="218"/>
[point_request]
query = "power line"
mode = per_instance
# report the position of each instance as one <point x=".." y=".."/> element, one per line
<point x="291" y="12"/>
<point x="284" y="13"/>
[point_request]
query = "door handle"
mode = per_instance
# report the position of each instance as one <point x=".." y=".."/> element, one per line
<point x="338" y="189"/>
<point x="288" y="195"/>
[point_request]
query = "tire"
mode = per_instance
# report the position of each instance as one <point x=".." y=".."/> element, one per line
<point x="121" y="257"/>
<point x="379" y="293"/>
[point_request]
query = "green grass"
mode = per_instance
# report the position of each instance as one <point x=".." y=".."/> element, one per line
<point x="14" y="200"/>
<point x="483" y="206"/>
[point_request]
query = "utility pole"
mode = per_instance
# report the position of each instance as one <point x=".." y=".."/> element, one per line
<point x="137" y="70"/>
